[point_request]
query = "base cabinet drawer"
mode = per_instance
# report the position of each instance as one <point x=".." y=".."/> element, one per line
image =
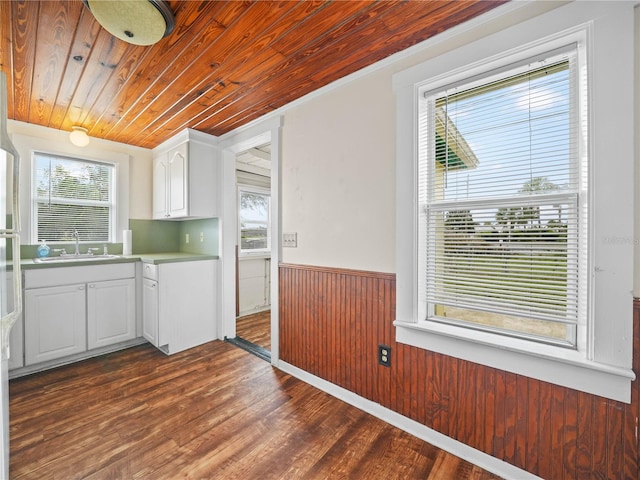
<point x="54" y="322"/>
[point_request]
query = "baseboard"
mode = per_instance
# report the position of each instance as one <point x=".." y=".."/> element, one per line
<point x="253" y="311"/>
<point x="448" y="444"/>
<point x="59" y="362"/>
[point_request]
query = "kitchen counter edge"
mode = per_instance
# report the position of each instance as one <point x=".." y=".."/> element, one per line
<point x="153" y="258"/>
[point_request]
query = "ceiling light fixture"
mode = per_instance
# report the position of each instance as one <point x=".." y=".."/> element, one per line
<point x="79" y="136"/>
<point x="141" y="22"/>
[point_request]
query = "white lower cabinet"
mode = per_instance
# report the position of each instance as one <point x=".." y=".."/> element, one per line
<point x="69" y="310"/>
<point x="254" y="293"/>
<point x="179" y="304"/>
<point x="55" y="322"/>
<point x="16" y="345"/>
<point x="111" y="312"/>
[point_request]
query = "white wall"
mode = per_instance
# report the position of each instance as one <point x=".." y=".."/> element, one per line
<point x="338" y="178"/>
<point x="338" y="160"/>
<point x="137" y="176"/>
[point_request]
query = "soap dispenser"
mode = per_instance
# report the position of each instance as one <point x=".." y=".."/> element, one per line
<point x="43" y="249"/>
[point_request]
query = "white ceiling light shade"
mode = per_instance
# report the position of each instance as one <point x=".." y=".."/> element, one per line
<point x="141" y="22"/>
<point x="79" y="136"/>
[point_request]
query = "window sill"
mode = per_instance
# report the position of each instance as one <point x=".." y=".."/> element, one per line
<point x="254" y="255"/>
<point x="551" y="364"/>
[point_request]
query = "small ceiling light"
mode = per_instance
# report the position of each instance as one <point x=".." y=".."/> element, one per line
<point x="79" y="136"/>
<point x="141" y="22"/>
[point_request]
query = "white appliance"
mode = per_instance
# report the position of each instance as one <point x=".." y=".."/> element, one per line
<point x="10" y="307"/>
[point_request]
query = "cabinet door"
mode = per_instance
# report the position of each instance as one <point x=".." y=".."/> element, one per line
<point x="160" y="175"/>
<point x="150" y="310"/>
<point x="111" y="312"/>
<point x="178" y="175"/>
<point x="54" y="322"/>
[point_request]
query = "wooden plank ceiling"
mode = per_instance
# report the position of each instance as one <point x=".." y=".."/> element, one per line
<point x="226" y="62"/>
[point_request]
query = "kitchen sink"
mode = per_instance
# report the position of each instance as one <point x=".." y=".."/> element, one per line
<point x="82" y="257"/>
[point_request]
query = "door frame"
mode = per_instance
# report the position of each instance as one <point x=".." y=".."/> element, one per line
<point x="267" y="131"/>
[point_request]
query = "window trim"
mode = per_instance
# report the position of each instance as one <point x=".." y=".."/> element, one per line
<point x="113" y="203"/>
<point x="42" y="140"/>
<point x="603" y="365"/>
<point x="430" y="202"/>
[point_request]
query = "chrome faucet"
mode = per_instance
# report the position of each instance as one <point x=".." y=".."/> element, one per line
<point x="77" y="237"/>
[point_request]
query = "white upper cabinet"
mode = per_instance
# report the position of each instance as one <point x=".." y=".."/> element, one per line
<point x="185" y="177"/>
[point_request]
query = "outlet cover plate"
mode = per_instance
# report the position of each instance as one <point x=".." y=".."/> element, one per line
<point x="290" y="240"/>
<point x="384" y="355"/>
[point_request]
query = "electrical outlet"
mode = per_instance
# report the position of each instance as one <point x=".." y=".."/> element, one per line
<point x="201" y="237"/>
<point x="186" y="238"/>
<point x="384" y="355"/>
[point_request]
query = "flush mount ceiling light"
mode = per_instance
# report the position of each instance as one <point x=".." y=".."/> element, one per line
<point x="79" y="136"/>
<point x="141" y="22"/>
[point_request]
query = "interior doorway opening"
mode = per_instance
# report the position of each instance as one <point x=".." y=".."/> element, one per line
<point x="253" y="251"/>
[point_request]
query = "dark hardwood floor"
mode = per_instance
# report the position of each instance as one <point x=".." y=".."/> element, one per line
<point x="255" y="328"/>
<point x="210" y="412"/>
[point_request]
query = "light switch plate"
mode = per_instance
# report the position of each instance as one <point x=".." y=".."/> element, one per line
<point x="290" y="240"/>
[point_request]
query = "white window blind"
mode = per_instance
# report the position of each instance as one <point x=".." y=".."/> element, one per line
<point x="72" y="194"/>
<point x="499" y="187"/>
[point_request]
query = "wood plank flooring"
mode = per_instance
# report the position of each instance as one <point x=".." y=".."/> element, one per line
<point x="210" y="412"/>
<point x="255" y="328"/>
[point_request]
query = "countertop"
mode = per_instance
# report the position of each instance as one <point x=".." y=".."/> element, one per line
<point x="171" y="257"/>
<point x="154" y="258"/>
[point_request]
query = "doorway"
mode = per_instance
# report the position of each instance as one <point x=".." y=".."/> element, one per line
<point x="253" y="250"/>
<point x="267" y="132"/>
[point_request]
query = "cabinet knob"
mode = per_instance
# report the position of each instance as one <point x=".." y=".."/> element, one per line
<point x="81" y="287"/>
<point x="91" y="285"/>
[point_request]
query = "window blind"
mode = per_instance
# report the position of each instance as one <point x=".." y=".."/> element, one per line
<point x="500" y="191"/>
<point x="72" y="194"/>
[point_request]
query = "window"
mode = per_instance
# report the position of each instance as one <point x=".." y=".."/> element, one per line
<point x="500" y="186"/>
<point x="72" y="194"/>
<point x="514" y="198"/>
<point x="254" y="220"/>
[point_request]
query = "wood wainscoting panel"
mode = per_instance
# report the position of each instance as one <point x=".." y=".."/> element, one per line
<point x="332" y="321"/>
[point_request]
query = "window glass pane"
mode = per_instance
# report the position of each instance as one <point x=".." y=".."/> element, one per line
<point x="506" y="138"/>
<point x="500" y="188"/>
<point x="72" y="194"/>
<point x="254" y="221"/>
<point x="507" y="324"/>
